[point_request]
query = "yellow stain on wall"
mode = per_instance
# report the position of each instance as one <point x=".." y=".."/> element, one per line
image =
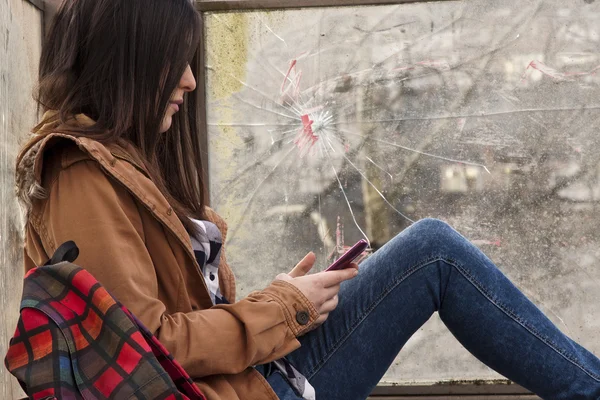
<point x="227" y="48"/>
<point x="227" y="42"/>
<point x="227" y="57"/>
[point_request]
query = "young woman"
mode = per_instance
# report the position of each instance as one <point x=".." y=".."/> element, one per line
<point x="115" y="166"/>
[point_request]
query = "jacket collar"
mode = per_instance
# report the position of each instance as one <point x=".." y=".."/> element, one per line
<point x="123" y="151"/>
<point x="117" y="162"/>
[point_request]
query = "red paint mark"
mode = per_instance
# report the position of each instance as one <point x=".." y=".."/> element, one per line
<point x="339" y="233"/>
<point x="544" y="69"/>
<point x="307" y="129"/>
<point x="287" y="75"/>
<point x="339" y="241"/>
<point x="306" y="136"/>
<point x="291" y="82"/>
<point x="555" y="74"/>
<point x="341" y="248"/>
<point x="441" y="64"/>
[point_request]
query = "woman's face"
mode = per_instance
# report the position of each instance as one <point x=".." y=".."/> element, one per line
<point x="187" y="83"/>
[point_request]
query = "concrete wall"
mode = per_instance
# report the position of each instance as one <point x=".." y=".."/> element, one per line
<point x="20" y="46"/>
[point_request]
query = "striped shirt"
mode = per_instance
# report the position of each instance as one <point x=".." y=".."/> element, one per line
<point x="207" y="244"/>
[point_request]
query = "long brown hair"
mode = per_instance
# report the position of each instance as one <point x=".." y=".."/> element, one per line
<point x="119" y="62"/>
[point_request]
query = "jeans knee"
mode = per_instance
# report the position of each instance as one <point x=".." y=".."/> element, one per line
<point x="434" y="236"/>
<point x="432" y="225"/>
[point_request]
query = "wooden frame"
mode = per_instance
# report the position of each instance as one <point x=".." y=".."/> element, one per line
<point x="242" y="5"/>
<point x="497" y="389"/>
<point x="505" y="389"/>
<point x="203" y="124"/>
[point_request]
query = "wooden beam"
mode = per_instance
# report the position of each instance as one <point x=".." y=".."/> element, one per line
<point x="203" y="128"/>
<point x="468" y="388"/>
<point x="457" y="397"/>
<point x="245" y="5"/>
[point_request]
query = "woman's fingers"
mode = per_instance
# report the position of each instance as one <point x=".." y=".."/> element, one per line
<point x="330" y="292"/>
<point x="333" y="278"/>
<point x="329" y="305"/>
<point x="304" y="266"/>
<point x="323" y="295"/>
<point x="324" y="311"/>
<point x="322" y="318"/>
<point x="322" y="288"/>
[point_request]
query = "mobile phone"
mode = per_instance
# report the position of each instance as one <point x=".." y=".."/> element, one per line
<point x="344" y="261"/>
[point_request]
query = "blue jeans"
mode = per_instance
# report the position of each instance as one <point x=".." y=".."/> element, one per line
<point x="430" y="267"/>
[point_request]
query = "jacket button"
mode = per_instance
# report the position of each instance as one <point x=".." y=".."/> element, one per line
<point x="170" y="211"/>
<point x="113" y="162"/>
<point x="302" y="317"/>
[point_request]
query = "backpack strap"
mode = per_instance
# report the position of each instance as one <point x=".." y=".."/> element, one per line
<point x="67" y="251"/>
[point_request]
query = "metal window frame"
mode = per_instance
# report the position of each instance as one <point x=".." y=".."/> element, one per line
<point x="499" y="389"/>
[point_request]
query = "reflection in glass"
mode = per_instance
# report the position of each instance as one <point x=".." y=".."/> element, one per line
<point x="329" y="125"/>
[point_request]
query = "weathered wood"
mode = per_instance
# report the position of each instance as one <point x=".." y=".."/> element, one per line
<point x="457" y="397"/>
<point x="200" y="73"/>
<point x="494" y="389"/>
<point x="238" y="5"/>
<point x="20" y="44"/>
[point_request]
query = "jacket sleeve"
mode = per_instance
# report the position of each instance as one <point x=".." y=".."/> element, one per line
<point x="102" y="217"/>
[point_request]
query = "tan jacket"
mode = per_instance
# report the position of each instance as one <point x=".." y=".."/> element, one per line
<point x="133" y="243"/>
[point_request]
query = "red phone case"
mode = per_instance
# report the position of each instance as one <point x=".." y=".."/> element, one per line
<point x="345" y="260"/>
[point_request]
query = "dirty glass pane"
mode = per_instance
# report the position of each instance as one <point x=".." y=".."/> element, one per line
<point x="330" y="124"/>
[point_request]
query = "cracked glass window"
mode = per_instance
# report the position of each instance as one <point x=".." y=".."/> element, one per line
<point x="328" y="125"/>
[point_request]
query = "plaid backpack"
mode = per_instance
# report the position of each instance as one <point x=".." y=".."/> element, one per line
<point x="75" y="341"/>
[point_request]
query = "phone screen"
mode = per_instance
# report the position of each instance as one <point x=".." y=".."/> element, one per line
<point x="345" y="260"/>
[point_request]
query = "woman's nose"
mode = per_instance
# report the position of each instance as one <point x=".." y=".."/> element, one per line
<point x="188" y="82"/>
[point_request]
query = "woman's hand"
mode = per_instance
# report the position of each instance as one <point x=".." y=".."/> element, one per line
<point x="321" y="288"/>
